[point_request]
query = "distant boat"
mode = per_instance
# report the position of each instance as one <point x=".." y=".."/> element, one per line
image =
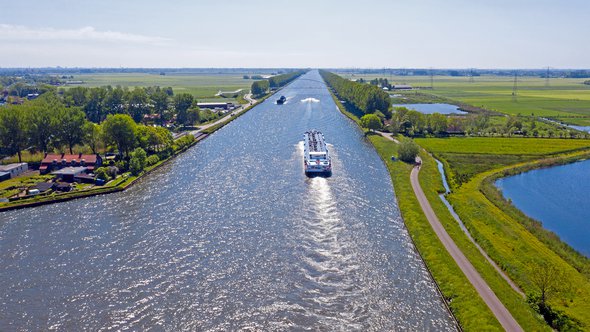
<point x="316" y="157"/>
<point x="281" y="100"/>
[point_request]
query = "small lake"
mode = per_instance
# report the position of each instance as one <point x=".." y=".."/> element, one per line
<point x="556" y="196"/>
<point x="433" y="108"/>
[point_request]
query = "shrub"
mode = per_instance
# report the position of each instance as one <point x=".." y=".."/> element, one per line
<point x="138" y="161"/>
<point x="102" y="173"/>
<point x="152" y="160"/>
<point x="408" y="150"/>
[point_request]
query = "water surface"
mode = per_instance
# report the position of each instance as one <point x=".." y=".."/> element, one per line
<point x="556" y="196"/>
<point x="231" y="235"/>
<point x="433" y="108"/>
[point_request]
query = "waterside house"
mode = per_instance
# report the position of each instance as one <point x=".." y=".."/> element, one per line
<point x="54" y="162"/>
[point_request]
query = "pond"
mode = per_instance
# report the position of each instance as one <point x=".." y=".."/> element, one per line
<point x="433" y="108"/>
<point x="556" y="196"/>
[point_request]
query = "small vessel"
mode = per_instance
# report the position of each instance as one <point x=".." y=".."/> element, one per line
<point x="281" y="100"/>
<point x="316" y="157"/>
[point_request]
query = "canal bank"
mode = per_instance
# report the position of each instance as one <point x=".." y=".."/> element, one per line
<point x="464" y="301"/>
<point x="229" y="236"/>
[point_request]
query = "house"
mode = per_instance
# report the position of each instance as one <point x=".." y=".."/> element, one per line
<point x="211" y="106"/>
<point x="53" y="162"/>
<point x="69" y="174"/>
<point x="15" y="169"/>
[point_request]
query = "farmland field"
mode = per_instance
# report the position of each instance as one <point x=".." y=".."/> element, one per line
<point x="564" y="99"/>
<point x="502" y="145"/>
<point x="201" y="86"/>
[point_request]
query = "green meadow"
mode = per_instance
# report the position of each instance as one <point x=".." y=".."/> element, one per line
<point x="201" y="86"/>
<point x="563" y="99"/>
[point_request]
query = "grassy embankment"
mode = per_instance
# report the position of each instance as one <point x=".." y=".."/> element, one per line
<point x="517" y="243"/>
<point x="464" y="301"/>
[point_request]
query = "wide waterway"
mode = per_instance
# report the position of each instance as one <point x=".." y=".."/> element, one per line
<point x="230" y="235"/>
<point x="556" y="196"/>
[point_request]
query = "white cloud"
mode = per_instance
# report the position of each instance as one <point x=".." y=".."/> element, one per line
<point x="22" y="33"/>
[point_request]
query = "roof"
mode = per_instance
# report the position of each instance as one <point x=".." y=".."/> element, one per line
<point x="42" y="186"/>
<point x="88" y="158"/>
<point x="12" y="166"/>
<point x="70" y="171"/>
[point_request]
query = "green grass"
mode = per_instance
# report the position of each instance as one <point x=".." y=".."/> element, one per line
<point x="562" y="99"/>
<point x="502" y="145"/>
<point x="202" y="86"/>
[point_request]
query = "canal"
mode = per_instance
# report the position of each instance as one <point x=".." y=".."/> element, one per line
<point x="230" y="235"/>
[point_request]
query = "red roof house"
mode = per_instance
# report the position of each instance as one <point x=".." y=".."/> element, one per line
<point x="53" y="162"/>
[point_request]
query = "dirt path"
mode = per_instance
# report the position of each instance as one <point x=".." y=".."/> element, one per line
<point x="502" y="314"/>
<point x="498" y="309"/>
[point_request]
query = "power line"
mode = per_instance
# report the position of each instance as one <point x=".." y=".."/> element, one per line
<point x="547" y="77"/>
<point x="515" y="86"/>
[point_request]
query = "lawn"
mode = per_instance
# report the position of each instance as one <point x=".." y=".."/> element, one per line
<point x="502" y="145"/>
<point x="563" y="99"/>
<point x="201" y="86"/>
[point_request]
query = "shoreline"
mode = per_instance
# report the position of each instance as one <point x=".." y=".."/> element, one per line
<point x="127" y="183"/>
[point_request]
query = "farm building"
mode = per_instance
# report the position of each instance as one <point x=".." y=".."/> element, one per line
<point x="222" y="105"/>
<point x="401" y="87"/>
<point x="53" y="162"/>
<point x="15" y="169"/>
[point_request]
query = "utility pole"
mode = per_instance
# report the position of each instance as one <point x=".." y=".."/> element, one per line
<point x="515" y="86"/>
<point x="431" y="79"/>
<point x="547" y="78"/>
<point x="471" y="80"/>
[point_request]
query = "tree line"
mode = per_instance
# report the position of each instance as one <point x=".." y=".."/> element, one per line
<point x="367" y="98"/>
<point x="261" y="87"/>
<point x="47" y="124"/>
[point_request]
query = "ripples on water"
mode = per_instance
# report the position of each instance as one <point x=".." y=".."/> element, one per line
<point x="229" y="236"/>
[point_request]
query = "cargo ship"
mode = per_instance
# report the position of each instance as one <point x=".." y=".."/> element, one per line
<point x="316" y="157"/>
<point x="281" y="100"/>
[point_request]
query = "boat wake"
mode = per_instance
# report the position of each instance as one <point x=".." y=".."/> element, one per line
<point x="310" y="100"/>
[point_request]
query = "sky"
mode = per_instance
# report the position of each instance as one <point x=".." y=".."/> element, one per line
<point x="302" y="33"/>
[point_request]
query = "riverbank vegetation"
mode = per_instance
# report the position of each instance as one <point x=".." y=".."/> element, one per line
<point x="517" y="243"/>
<point x="465" y="303"/>
<point x="262" y="87"/>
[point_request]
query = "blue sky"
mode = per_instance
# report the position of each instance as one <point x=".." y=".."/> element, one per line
<point x="303" y="33"/>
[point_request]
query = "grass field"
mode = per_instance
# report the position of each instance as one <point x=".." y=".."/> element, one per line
<point x="513" y="240"/>
<point x="567" y="100"/>
<point x="202" y="86"/>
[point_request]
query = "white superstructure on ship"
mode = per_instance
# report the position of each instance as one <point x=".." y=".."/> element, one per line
<point x="316" y="157"/>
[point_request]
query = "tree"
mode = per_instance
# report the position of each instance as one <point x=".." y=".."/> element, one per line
<point x="408" y="150"/>
<point x="438" y="123"/>
<point x="260" y="87"/>
<point x="138" y="105"/>
<point x="13" y="130"/>
<point x="182" y="102"/>
<point x="415" y="121"/>
<point x="371" y="122"/>
<point x="102" y="173"/>
<point x="70" y="126"/>
<point x="160" y="101"/>
<point x="113" y="102"/>
<point x="42" y="124"/>
<point x="120" y="130"/>
<point x="138" y="161"/>
<point x="93" y="136"/>
<point x="193" y="116"/>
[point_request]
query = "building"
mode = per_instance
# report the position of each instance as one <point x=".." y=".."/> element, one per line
<point x="53" y="162"/>
<point x="401" y="87"/>
<point x="221" y="105"/>
<point x="15" y="169"/>
<point x="69" y="174"/>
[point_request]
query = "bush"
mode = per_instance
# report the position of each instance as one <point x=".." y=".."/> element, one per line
<point x="138" y="161"/>
<point x="408" y="150"/>
<point x="102" y="174"/>
<point x="152" y="160"/>
<point x="371" y="122"/>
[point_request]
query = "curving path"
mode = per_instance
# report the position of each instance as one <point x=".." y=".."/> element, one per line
<point x="498" y="309"/>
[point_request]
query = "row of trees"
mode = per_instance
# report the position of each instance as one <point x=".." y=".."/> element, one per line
<point x="365" y="97"/>
<point x="261" y="87"/>
<point x="97" y="103"/>
<point x="46" y="124"/>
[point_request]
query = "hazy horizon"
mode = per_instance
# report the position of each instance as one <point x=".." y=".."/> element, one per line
<point x="281" y="34"/>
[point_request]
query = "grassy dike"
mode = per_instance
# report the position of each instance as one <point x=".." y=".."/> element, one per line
<point x="465" y="303"/>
